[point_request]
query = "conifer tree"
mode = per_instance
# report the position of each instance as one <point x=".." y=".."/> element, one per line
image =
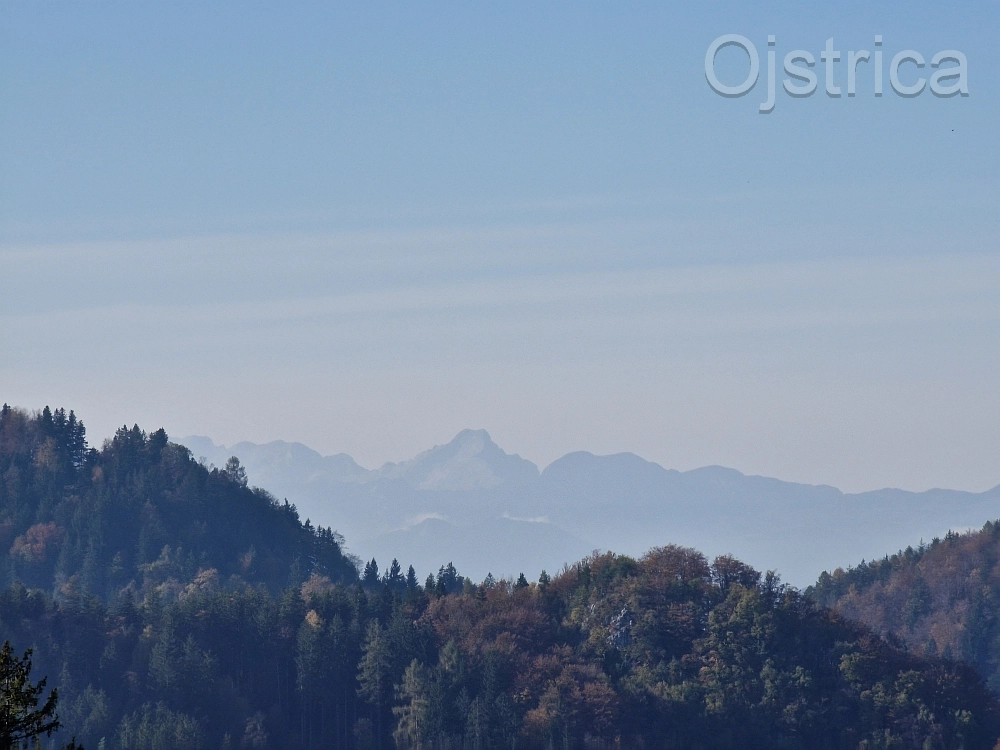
<point x="394" y="577"/>
<point x="370" y="578"/>
<point x="21" y="719"/>
<point x="375" y="675"/>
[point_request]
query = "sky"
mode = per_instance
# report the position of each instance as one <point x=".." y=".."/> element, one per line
<point x="367" y="228"/>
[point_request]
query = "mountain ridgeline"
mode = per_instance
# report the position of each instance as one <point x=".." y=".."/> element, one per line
<point x="939" y="598"/>
<point x="174" y="606"/>
<point x="496" y="512"/>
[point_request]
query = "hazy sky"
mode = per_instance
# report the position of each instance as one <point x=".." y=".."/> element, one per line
<point x="366" y="228"/>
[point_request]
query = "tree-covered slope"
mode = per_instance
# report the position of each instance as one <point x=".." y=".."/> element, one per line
<point x="941" y="598"/>
<point x="665" y="651"/>
<point x="141" y="513"/>
<point x="174" y="607"/>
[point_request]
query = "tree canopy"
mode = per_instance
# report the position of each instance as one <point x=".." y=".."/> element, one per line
<point x="173" y="605"/>
<point x="940" y="598"/>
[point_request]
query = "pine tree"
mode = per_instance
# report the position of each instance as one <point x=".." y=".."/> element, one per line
<point x="394" y="577"/>
<point x="414" y="724"/>
<point x="374" y="675"/>
<point x="20" y="718"/>
<point x="370" y="579"/>
<point x="235" y="472"/>
<point x="448" y="580"/>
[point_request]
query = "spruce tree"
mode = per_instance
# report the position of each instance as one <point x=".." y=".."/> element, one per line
<point x="20" y="718"/>
<point x="370" y="578"/>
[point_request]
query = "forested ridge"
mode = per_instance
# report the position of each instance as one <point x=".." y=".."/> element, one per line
<point x="941" y="598"/>
<point x="175" y="607"/>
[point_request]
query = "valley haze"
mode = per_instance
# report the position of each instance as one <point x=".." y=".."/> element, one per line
<point x="471" y="503"/>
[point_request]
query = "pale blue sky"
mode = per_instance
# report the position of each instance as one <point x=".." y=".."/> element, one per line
<point x="368" y="228"/>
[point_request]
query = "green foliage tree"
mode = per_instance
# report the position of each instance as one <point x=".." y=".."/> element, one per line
<point x="411" y="579"/>
<point x="21" y="718"/>
<point x="156" y="727"/>
<point x="394" y="577"/>
<point x="448" y="580"/>
<point x="415" y="725"/>
<point x="375" y="676"/>
<point x="235" y="472"/>
<point x="370" y="577"/>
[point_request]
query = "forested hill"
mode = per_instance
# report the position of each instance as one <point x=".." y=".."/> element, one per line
<point x="665" y="652"/>
<point x="174" y="607"/>
<point x="141" y="513"/>
<point x="940" y="598"/>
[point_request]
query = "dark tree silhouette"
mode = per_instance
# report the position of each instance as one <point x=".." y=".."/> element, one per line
<point x="21" y="719"/>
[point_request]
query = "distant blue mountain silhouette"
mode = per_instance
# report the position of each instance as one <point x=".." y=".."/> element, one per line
<point x="470" y="503"/>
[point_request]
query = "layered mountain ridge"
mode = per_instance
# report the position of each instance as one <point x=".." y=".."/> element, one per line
<point x="470" y="502"/>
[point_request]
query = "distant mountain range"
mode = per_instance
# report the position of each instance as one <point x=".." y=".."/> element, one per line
<point x="471" y="503"/>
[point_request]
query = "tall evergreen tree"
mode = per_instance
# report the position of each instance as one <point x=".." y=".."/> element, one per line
<point x="375" y="677"/>
<point x="21" y="719"/>
<point x="370" y="578"/>
<point x="394" y="577"/>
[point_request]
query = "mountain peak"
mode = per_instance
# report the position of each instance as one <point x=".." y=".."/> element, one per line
<point x="470" y="461"/>
<point x="474" y="442"/>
